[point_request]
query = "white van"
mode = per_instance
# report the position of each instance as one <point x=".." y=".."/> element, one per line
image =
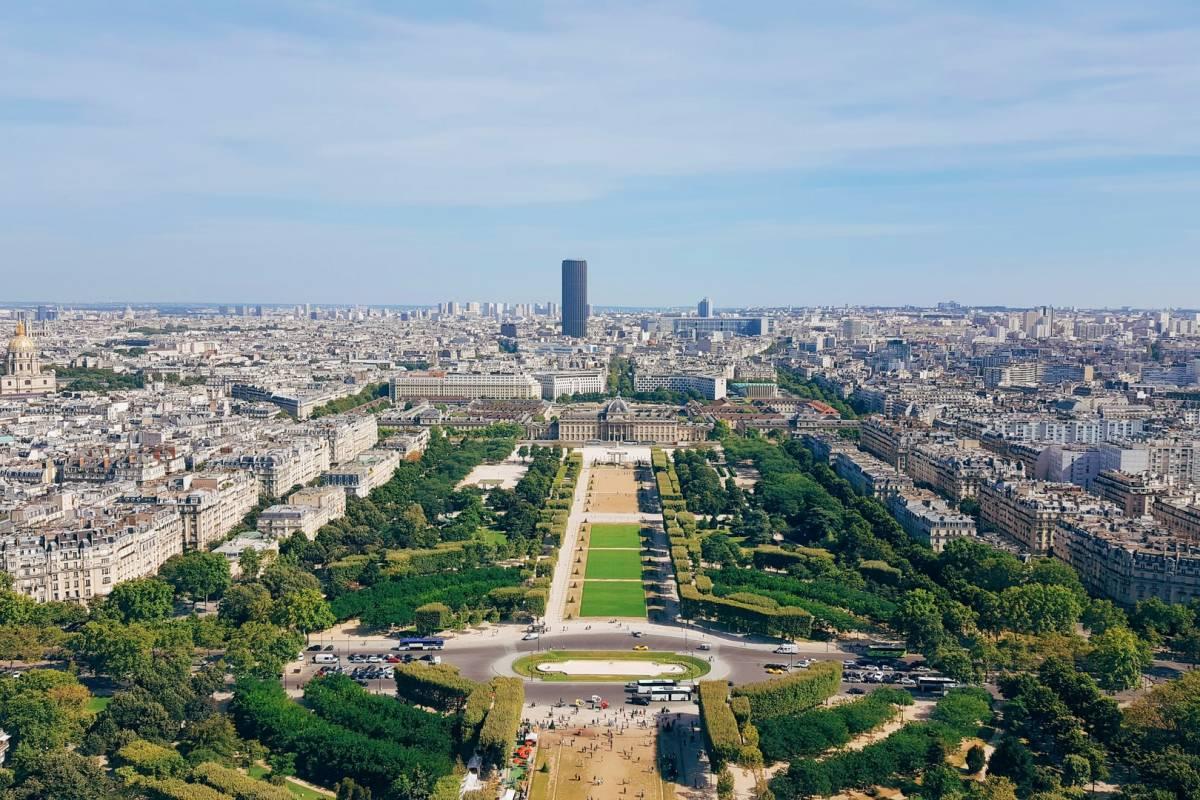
<point x="325" y="658"/>
<point x="787" y="649"/>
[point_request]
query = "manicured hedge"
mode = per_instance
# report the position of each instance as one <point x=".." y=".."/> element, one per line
<point x="340" y="700"/>
<point x="905" y="753"/>
<point x="811" y="733"/>
<point x="151" y="759"/>
<point x="175" y="789"/>
<point x="394" y="602"/>
<point x="769" y="556"/>
<point x="326" y="752"/>
<point x="721" y="734"/>
<point x="790" y="622"/>
<point x="237" y="784"/>
<point x="499" y="730"/>
<point x="439" y="687"/>
<point x="479" y="701"/>
<point x="792" y="693"/>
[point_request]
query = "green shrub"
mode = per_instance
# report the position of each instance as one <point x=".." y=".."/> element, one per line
<point x="240" y="786"/>
<point x="151" y="759"/>
<point x="499" y="728"/>
<point x="792" y="693"/>
<point x="721" y="734"/>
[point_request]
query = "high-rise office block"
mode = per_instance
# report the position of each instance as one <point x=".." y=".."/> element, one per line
<point x="704" y="308"/>
<point x="574" y="298"/>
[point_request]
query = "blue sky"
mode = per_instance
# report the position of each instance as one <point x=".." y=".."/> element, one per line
<point x="761" y="153"/>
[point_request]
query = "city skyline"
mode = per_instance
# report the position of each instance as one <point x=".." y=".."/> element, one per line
<point x="921" y="150"/>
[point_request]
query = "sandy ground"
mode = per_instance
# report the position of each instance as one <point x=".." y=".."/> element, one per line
<point x="612" y="490"/>
<point x="504" y="475"/>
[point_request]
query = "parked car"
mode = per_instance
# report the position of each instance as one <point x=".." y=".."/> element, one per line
<point x="314" y="648"/>
<point x="327" y="648"/>
<point x="855" y="690"/>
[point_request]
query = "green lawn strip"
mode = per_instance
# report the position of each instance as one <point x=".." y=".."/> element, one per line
<point x="260" y="772"/>
<point x="527" y="665"/>
<point x="617" y="564"/>
<point x="613" y="599"/>
<point x="97" y="704"/>
<point x="608" y="535"/>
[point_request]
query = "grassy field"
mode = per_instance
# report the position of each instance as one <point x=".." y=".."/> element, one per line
<point x="607" y="535"/>
<point x="527" y="665"/>
<point x="613" y="599"/>
<point x="614" y="564"/>
<point x="97" y="704"/>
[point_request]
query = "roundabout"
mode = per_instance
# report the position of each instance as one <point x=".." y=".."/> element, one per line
<point x="582" y="665"/>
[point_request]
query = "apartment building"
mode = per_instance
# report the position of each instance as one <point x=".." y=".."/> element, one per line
<point x="1179" y="515"/>
<point x="927" y="518"/>
<point x="710" y="387"/>
<point x="1133" y="494"/>
<point x="435" y="383"/>
<point x="211" y="504"/>
<point x="305" y="511"/>
<point x="286" y="464"/>
<point x="891" y="440"/>
<point x="869" y="476"/>
<point x="563" y="384"/>
<point x="86" y="560"/>
<point x="367" y="471"/>
<point x="1028" y="511"/>
<point x="955" y="472"/>
<point x="1129" y="560"/>
<point x="346" y="434"/>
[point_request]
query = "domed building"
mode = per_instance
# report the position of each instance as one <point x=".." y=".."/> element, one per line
<point x="22" y="371"/>
<point x="619" y="421"/>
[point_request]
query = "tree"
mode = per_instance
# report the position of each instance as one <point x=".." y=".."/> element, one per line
<point x="1101" y="615"/>
<point x="433" y="617"/>
<point x="305" y="611"/>
<point x="920" y="618"/>
<point x="197" y="575"/>
<point x="725" y="784"/>
<point x="1077" y="770"/>
<point x="283" y="578"/>
<point x="261" y="649"/>
<point x="976" y="758"/>
<point x="110" y="648"/>
<point x="250" y="562"/>
<point x="347" y="789"/>
<point x="1040" y="608"/>
<point x="139" y="600"/>
<point x="60" y="774"/>
<point x="246" y="602"/>
<point x="1118" y="659"/>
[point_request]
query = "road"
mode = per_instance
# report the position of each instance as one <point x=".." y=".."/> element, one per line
<point x="484" y="654"/>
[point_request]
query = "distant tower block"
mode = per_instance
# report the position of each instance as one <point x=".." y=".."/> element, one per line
<point x="574" y="299"/>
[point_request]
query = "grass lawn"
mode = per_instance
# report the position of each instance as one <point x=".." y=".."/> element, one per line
<point x="259" y="772"/>
<point x="97" y="704"/>
<point x="612" y="598"/>
<point x="493" y="537"/>
<point x="527" y="665"/>
<point x="615" y="536"/>
<point x="614" y="564"/>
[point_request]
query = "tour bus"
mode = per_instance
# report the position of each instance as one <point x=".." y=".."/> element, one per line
<point x="668" y="694"/>
<point x="421" y="644"/>
<point x="648" y="683"/>
<point x="682" y="688"/>
<point x="936" y="684"/>
<point x="886" y="650"/>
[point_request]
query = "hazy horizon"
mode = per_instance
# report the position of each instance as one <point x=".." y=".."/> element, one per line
<point x="865" y="154"/>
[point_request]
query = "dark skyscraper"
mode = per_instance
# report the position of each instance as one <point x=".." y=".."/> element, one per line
<point x="704" y="308"/>
<point x="574" y="299"/>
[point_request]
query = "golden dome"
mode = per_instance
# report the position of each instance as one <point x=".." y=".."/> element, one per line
<point x="21" y="343"/>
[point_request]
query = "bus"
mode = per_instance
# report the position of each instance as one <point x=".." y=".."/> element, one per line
<point x="669" y="694"/>
<point x="936" y="684"/>
<point x="648" y="683"/>
<point x="886" y="650"/>
<point x="421" y="644"/>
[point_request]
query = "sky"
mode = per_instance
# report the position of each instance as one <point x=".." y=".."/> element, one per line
<point x="761" y="153"/>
